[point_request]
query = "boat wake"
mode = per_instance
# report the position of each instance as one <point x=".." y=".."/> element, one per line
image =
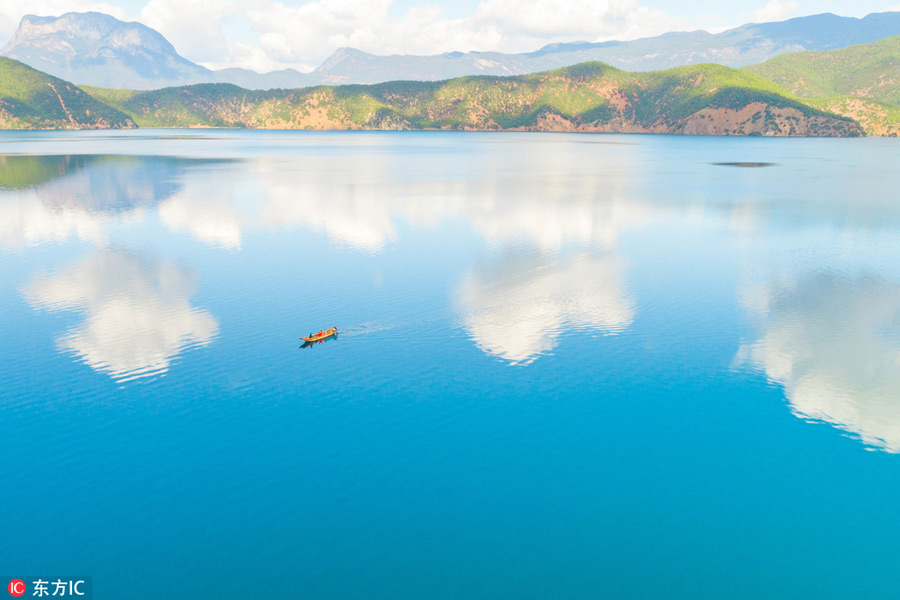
<point x="367" y="329"/>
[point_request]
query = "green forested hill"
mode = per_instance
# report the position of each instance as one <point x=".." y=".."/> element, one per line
<point x="30" y="99"/>
<point x="702" y="99"/>
<point x="867" y="71"/>
<point x="862" y="82"/>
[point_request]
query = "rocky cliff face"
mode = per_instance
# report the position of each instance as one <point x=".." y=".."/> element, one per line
<point x="98" y="49"/>
<point x="754" y="119"/>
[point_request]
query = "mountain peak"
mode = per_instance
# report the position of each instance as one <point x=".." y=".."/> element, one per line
<point x="340" y="56"/>
<point x="87" y="27"/>
<point x="99" y="49"/>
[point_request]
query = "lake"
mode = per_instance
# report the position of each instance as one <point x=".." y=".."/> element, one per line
<point x="568" y="365"/>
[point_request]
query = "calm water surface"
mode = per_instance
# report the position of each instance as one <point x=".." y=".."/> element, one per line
<point x="571" y="366"/>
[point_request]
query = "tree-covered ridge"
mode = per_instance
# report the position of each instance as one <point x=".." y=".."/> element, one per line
<point x="30" y="99"/>
<point x="700" y="99"/>
<point x="867" y="71"/>
<point x="861" y="82"/>
<point x="706" y="99"/>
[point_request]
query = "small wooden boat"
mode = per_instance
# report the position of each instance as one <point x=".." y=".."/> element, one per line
<point x="322" y="335"/>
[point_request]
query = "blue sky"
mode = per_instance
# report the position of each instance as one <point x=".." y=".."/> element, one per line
<point x="272" y="34"/>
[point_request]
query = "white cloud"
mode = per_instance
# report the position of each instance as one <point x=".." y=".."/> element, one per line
<point x="775" y="10"/>
<point x="309" y="32"/>
<point x="358" y="203"/>
<point x="210" y="220"/>
<point x="80" y="195"/>
<point x="247" y="56"/>
<point x="518" y="311"/>
<point x="26" y="220"/>
<point x="354" y="216"/>
<point x="303" y="36"/>
<point x="204" y="208"/>
<point x="138" y="313"/>
<point x="833" y="343"/>
<point x="552" y="225"/>
<point x="194" y="27"/>
<point x="582" y="19"/>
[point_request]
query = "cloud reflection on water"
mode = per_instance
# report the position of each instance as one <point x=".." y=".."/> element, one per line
<point x="359" y="204"/>
<point x="517" y="310"/>
<point x="550" y="214"/>
<point x="832" y="341"/>
<point x="52" y="198"/>
<point x="353" y="216"/>
<point x="138" y="315"/>
<point x="204" y="210"/>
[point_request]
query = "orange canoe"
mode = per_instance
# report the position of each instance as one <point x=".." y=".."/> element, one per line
<point x="324" y="335"/>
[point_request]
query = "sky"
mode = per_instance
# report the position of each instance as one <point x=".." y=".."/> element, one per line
<point x="272" y="34"/>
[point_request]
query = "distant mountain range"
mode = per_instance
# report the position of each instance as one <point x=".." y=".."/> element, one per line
<point x="97" y="49"/>
<point x="739" y="47"/>
<point x="845" y="92"/>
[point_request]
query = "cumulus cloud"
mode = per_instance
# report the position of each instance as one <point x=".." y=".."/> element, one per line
<point x="205" y="209"/>
<point x="775" y="10"/>
<point x="26" y="220"/>
<point x="518" y="311"/>
<point x="583" y="19"/>
<point x="833" y="342"/>
<point x="308" y="32"/>
<point x="78" y="196"/>
<point x="305" y="35"/>
<point x="358" y="203"/>
<point x="352" y="216"/>
<point x="550" y="225"/>
<point x="302" y="36"/>
<point x="138" y="315"/>
<point x="248" y="56"/>
<point x="194" y="27"/>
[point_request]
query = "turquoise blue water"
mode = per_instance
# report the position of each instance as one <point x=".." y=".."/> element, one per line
<point x="569" y="366"/>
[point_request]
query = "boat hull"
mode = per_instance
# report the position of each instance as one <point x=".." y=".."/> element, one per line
<point x="319" y="337"/>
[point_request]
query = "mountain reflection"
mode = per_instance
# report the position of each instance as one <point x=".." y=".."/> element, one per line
<point x="833" y="342"/>
<point x="51" y="198"/>
<point x="517" y="310"/>
<point x="138" y="315"/>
